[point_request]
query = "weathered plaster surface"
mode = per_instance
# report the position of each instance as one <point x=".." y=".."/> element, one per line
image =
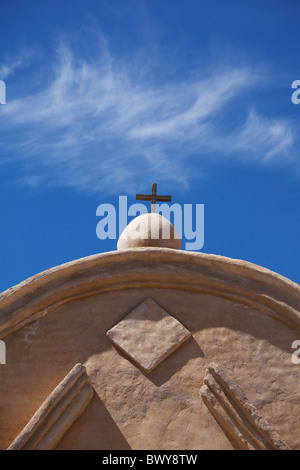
<point x="148" y="334"/>
<point x="57" y="413"/>
<point x="241" y="316"/>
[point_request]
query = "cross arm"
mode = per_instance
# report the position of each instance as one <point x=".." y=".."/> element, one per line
<point x="148" y="197"/>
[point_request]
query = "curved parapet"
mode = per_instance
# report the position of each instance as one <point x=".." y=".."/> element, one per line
<point x="245" y="282"/>
<point x="146" y="324"/>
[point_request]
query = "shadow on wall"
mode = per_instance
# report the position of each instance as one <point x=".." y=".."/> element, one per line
<point x="95" y="429"/>
<point x="172" y="364"/>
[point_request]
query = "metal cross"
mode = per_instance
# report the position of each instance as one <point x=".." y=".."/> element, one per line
<point x="153" y="197"/>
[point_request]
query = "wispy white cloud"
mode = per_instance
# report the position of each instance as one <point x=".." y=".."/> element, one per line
<point x="206" y="98"/>
<point x="99" y="124"/>
<point x="266" y="138"/>
<point x="7" y="69"/>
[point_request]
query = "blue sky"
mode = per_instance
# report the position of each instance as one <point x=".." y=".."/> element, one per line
<point x="103" y="98"/>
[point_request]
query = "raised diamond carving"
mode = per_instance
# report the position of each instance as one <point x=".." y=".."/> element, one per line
<point x="148" y="334"/>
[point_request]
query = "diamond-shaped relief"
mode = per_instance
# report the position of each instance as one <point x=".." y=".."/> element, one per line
<point x="148" y="334"/>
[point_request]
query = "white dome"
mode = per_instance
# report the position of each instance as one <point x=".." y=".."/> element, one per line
<point x="149" y="230"/>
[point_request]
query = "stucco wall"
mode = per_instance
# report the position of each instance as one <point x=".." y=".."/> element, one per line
<point x="241" y="316"/>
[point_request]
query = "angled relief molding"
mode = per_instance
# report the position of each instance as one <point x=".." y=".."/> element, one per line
<point x="240" y="421"/>
<point x="58" y="412"/>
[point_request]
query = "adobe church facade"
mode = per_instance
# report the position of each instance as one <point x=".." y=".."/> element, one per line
<point x="151" y="347"/>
